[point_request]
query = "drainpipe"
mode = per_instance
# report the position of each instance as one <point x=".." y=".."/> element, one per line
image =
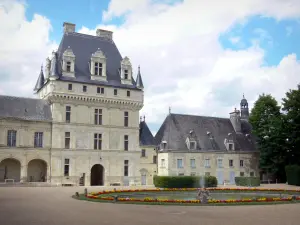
<point x="50" y="152"/>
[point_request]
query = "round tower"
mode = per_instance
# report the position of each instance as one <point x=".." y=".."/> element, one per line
<point x="244" y="109"/>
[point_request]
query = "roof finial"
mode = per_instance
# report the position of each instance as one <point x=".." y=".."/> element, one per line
<point x="139" y="68"/>
<point x="42" y="67"/>
<point x="144" y="118"/>
<point x="141" y="118"/>
<point x="169" y="109"/>
<point x="243" y="95"/>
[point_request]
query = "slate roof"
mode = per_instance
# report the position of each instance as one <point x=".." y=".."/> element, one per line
<point x="146" y="137"/>
<point x="176" y="128"/>
<point x="24" y="108"/>
<point x="83" y="46"/>
<point x="40" y="81"/>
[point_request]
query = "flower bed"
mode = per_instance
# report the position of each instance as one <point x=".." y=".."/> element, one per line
<point x="109" y="195"/>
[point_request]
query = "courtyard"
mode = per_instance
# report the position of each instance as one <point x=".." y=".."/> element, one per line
<point x="54" y="205"/>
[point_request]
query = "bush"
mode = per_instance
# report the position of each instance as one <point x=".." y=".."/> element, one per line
<point x="293" y="174"/>
<point x="183" y="181"/>
<point x="247" y="181"/>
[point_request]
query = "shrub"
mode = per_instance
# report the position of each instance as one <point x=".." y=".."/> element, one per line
<point x="247" y="181"/>
<point x="183" y="181"/>
<point x="293" y="174"/>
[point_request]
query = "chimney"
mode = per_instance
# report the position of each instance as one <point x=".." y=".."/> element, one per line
<point x="104" y="34"/>
<point x="236" y="120"/>
<point x="69" y="27"/>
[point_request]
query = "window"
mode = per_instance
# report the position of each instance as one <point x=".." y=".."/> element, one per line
<point x="193" y="163"/>
<point x="164" y="145"/>
<point x="126" y="117"/>
<point x="128" y="93"/>
<point x="251" y="174"/>
<point x="180" y="174"/>
<point x="163" y="163"/>
<point x="38" y="139"/>
<point x="115" y="91"/>
<point x="143" y="152"/>
<point x="193" y="174"/>
<point x="68" y="67"/>
<point x="84" y="88"/>
<point x="68" y="114"/>
<point x="179" y="163"/>
<point x="97" y="141"/>
<point x="126" y="74"/>
<point x="154" y="159"/>
<point x="126" y="142"/>
<point x="98" y="117"/>
<point x="230" y="163"/>
<point x="100" y="90"/>
<point x="207" y="163"/>
<point x="98" y="68"/>
<point x="126" y="165"/>
<point x="207" y="174"/>
<point x="230" y="147"/>
<point x="67" y="140"/>
<point x="242" y="174"/>
<point x="241" y="163"/>
<point x="70" y="87"/>
<point x="67" y="167"/>
<point x="11" y="138"/>
<point x="192" y="145"/>
<point x="220" y="163"/>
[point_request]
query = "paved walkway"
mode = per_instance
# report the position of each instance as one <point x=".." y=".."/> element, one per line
<point x="54" y="206"/>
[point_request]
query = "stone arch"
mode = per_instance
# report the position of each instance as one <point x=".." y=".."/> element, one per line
<point x="10" y="168"/>
<point x="37" y="170"/>
<point x="97" y="175"/>
<point x="144" y="176"/>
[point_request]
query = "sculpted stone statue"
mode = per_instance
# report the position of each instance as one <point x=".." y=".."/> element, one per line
<point x="203" y="195"/>
<point x="48" y="66"/>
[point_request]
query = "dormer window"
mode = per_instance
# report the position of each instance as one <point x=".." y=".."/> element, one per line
<point x="229" y="144"/>
<point x="191" y="143"/>
<point x="68" y="63"/>
<point x="126" y="71"/>
<point x="98" y="66"/>
<point x="230" y="147"/>
<point x="163" y="145"/>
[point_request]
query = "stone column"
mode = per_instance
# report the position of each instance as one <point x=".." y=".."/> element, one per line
<point x="23" y="173"/>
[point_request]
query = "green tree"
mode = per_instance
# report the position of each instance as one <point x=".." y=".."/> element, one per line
<point x="269" y="126"/>
<point x="291" y="108"/>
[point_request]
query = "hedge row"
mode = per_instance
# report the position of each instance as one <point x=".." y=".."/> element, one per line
<point x="247" y="181"/>
<point x="184" y="181"/>
<point x="293" y="174"/>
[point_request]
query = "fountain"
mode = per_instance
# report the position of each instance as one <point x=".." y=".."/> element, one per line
<point x="203" y="194"/>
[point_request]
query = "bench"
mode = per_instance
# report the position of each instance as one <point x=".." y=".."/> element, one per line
<point x="226" y="182"/>
<point x="13" y="180"/>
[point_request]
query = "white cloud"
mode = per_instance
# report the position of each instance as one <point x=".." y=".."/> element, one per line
<point x="235" y="40"/>
<point x="24" y="46"/>
<point x="182" y="62"/>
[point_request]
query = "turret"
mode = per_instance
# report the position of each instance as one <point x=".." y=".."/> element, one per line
<point x="244" y="109"/>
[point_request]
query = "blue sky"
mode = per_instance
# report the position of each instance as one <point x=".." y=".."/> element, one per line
<point x="198" y="57"/>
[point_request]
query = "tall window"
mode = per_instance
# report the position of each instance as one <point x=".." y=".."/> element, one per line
<point x="68" y="66"/>
<point x="98" y="68"/>
<point x="126" y="168"/>
<point x="67" y="140"/>
<point x="126" y="142"/>
<point x="128" y="93"/>
<point x="126" y="117"/>
<point x="241" y="163"/>
<point x="207" y="163"/>
<point x="100" y="90"/>
<point x="98" y="116"/>
<point x="154" y="159"/>
<point x="163" y="163"/>
<point x="38" y="139"/>
<point x="97" y="141"/>
<point x="11" y="138"/>
<point x="115" y="91"/>
<point x="84" y="88"/>
<point x="220" y="163"/>
<point x="125" y="74"/>
<point x="179" y="163"/>
<point x="67" y="167"/>
<point x="230" y="162"/>
<point x="193" y="163"/>
<point x="143" y="153"/>
<point x="70" y="87"/>
<point x="68" y="114"/>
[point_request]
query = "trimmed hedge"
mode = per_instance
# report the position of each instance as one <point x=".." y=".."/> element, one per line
<point x="183" y="181"/>
<point x="293" y="174"/>
<point x="247" y="181"/>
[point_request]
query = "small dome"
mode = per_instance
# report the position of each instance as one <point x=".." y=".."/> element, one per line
<point x="244" y="101"/>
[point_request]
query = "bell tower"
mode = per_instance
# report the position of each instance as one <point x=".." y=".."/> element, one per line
<point x="244" y="109"/>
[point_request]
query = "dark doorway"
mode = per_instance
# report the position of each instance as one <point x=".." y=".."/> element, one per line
<point x="97" y="175"/>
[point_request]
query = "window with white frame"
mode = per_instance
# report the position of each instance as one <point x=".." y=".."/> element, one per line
<point x="220" y="163"/>
<point x="193" y="163"/>
<point x="207" y="163"/>
<point x="11" y="138"/>
<point x="67" y="168"/>
<point x="98" y="68"/>
<point x="38" y="139"/>
<point x="179" y="163"/>
<point x="163" y="163"/>
<point x="241" y="163"/>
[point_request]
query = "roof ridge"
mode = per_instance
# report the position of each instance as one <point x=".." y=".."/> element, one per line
<point x="12" y="96"/>
<point x="212" y="117"/>
<point x="89" y="36"/>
